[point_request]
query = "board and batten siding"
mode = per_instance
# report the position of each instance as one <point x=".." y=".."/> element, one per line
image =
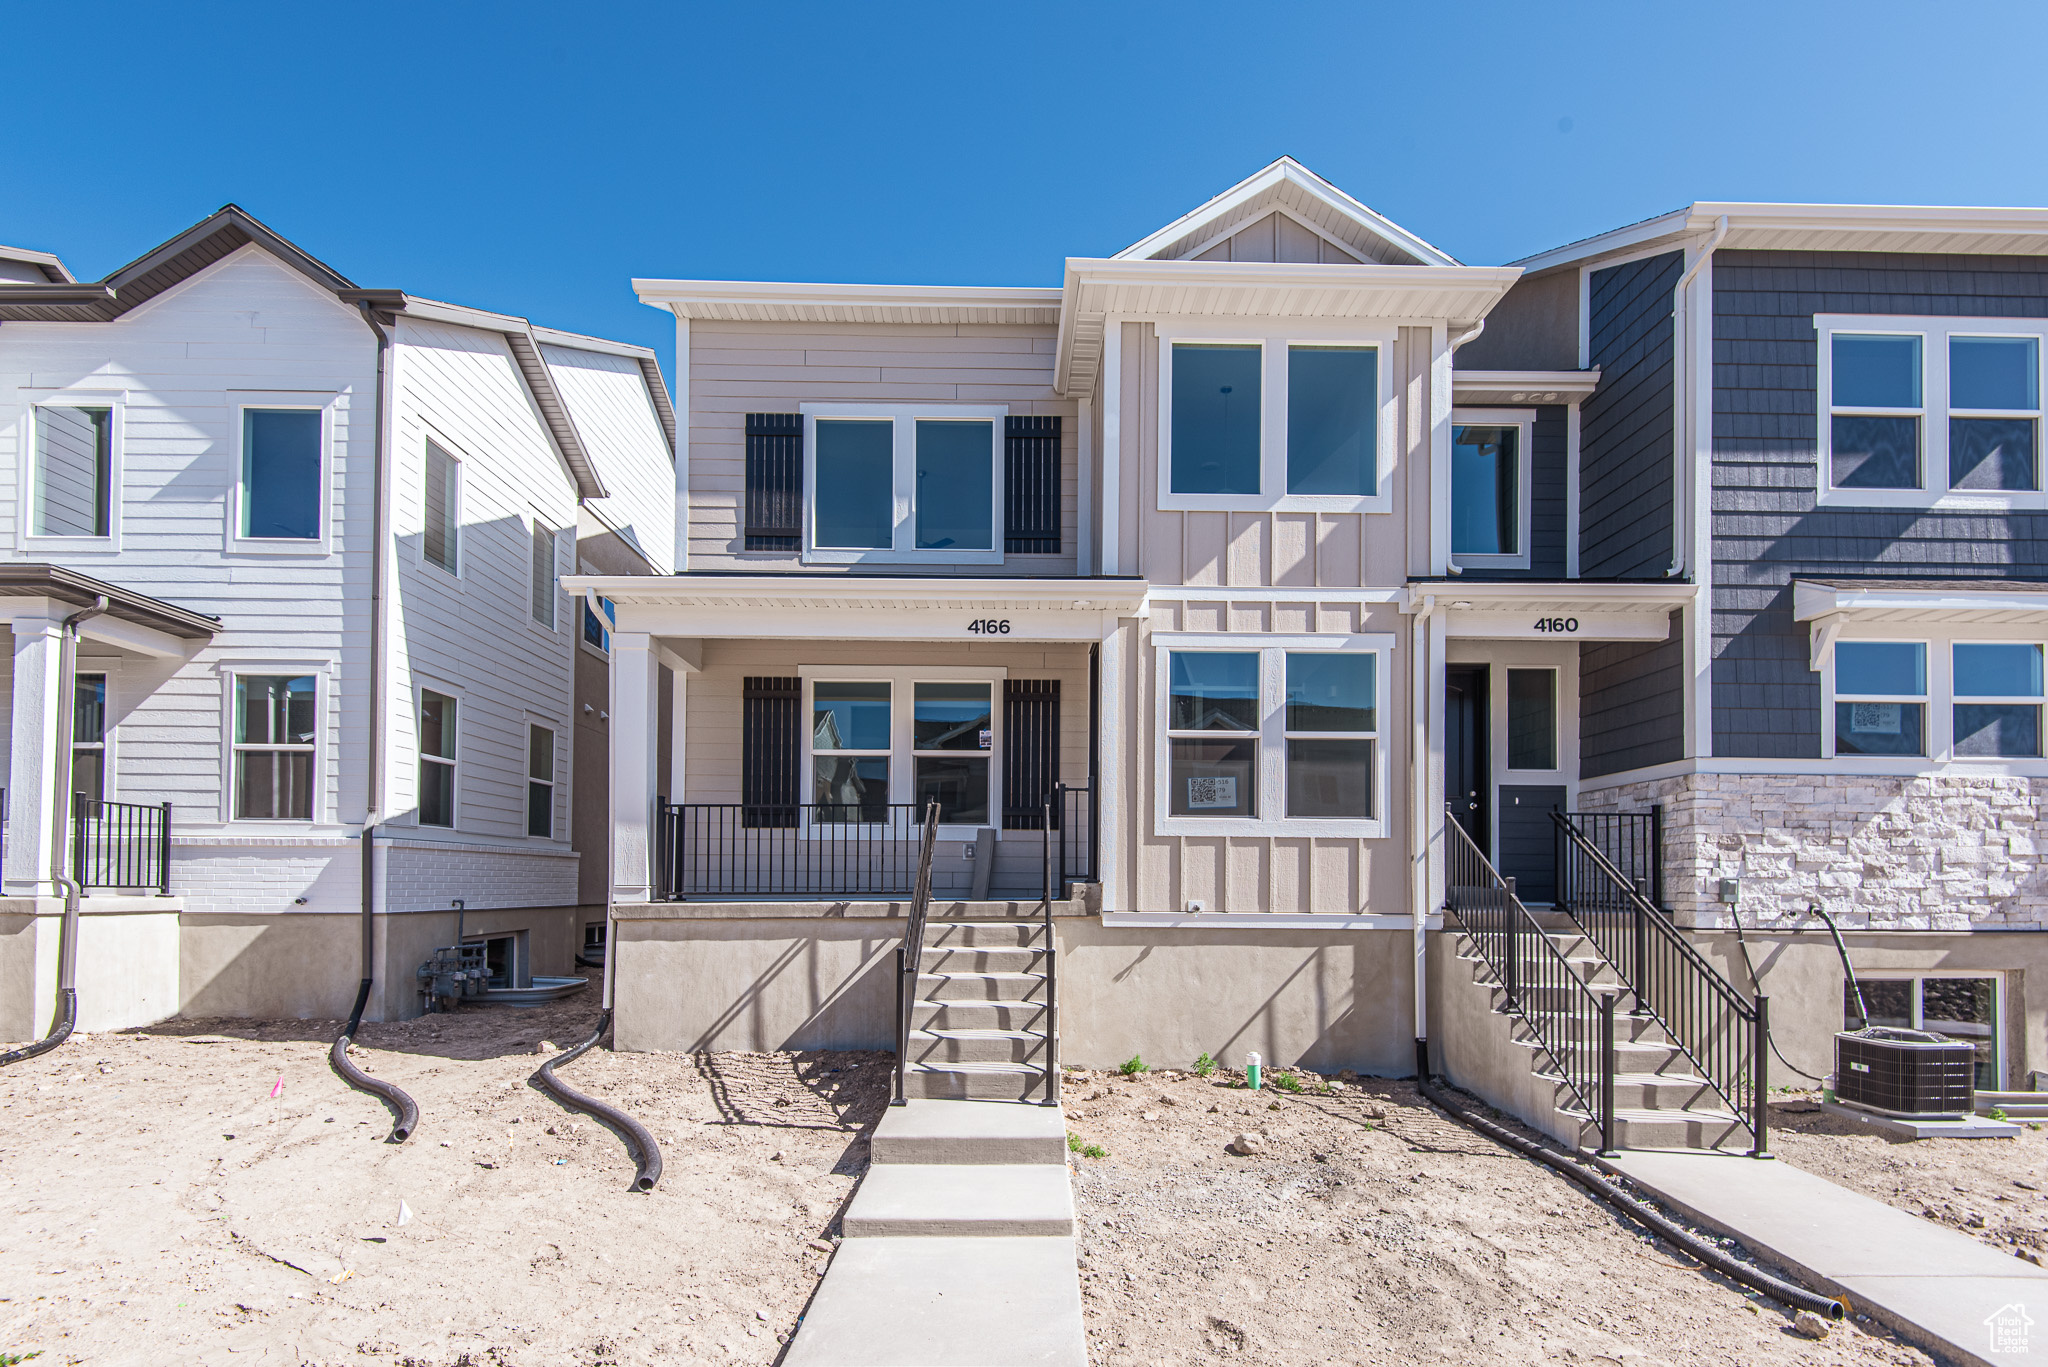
<point x="1766" y="527"/>
<point x="1626" y="434"/>
<point x="473" y="634"/>
<point x="741" y="368"/>
<point x="608" y="402"/>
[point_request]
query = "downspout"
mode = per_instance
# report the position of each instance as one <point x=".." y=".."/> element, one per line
<point x="405" y="1113"/>
<point x="1681" y="520"/>
<point x="1418" y="840"/>
<point x="60" y="842"/>
<point x="1451" y="566"/>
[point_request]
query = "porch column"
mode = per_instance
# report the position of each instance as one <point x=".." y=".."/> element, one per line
<point x="1117" y="760"/>
<point x="32" y="769"/>
<point x="636" y="700"/>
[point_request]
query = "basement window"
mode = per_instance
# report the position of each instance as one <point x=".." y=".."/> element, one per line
<point x="1960" y="1007"/>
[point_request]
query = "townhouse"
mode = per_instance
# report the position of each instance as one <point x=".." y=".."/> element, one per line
<point x="325" y="691"/>
<point x="1246" y="592"/>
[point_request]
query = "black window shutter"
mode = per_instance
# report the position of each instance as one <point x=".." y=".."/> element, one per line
<point x="770" y="747"/>
<point x="1031" y="486"/>
<point x="1031" y="750"/>
<point x="775" y="481"/>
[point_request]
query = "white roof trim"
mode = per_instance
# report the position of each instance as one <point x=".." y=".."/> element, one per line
<point x="767" y="592"/>
<point x="1821" y="227"/>
<point x="1941" y="603"/>
<point x="1523" y="386"/>
<point x="53" y="270"/>
<point x="1504" y="595"/>
<point x="1203" y="222"/>
<point x="794" y="302"/>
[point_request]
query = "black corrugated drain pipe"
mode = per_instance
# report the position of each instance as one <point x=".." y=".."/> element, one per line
<point x="1784" y="1292"/>
<point x="640" y="1145"/>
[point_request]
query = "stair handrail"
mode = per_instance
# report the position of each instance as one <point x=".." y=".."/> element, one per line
<point x="1052" y="1000"/>
<point x="1577" y="1035"/>
<point x="1723" y="1036"/>
<point x="910" y="958"/>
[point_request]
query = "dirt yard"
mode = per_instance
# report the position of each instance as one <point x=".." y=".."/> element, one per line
<point x="162" y="1206"/>
<point x="1373" y="1230"/>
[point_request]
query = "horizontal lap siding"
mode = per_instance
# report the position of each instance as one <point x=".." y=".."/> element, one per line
<point x="614" y="415"/>
<point x="741" y="368"/>
<point x="1626" y="434"/>
<point x="1766" y="527"/>
<point x="1631" y="704"/>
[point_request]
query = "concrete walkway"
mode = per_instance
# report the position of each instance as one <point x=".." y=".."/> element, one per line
<point x="1934" y="1287"/>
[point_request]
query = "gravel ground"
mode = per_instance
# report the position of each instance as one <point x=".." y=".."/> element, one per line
<point x="1373" y="1230"/>
<point x="159" y="1205"/>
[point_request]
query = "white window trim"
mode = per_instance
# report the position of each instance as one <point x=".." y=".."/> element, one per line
<point x="1525" y="443"/>
<point x="323" y="672"/>
<point x="902" y="757"/>
<point x="419" y="689"/>
<point x="1273" y="345"/>
<point x="1940" y="699"/>
<point x="607" y="625"/>
<point x="1272" y="777"/>
<point x="239" y="404"/>
<point x="1934" y="412"/>
<point x="1998" y="1002"/>
<point x="904" y="417"/>
<point x="110" y="670"/>
<point x="553" y="780"/>
<point x="454" y="453"/>
<point x="117" y="438"/>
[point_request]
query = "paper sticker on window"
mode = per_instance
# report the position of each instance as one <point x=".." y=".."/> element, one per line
<point x="1212" y="792"/>
<point x="987" y="735"/>
<point x="1874" y="718"/>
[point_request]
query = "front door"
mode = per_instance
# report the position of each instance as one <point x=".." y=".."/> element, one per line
<point x="1468" y="763"/>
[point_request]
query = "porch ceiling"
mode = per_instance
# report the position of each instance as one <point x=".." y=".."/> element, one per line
<point x="1550" y="610"/>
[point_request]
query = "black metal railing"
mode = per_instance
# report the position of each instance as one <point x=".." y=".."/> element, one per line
<point x="1632" y="841"/>
<point x="910" y="958"/>
<point x="1072" y="818"/>
<point x="1572" y="1020"/>
<point x="1054" y="878"/>
<point x="735" y="850"/>
<point x="1724" y="1037"/>
<point x="120" y="845"/>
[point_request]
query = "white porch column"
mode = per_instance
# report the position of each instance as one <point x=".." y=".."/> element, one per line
<point x="32" y="772"/>
<point x="1118" y="758"/>
<point x="636" y="700"/>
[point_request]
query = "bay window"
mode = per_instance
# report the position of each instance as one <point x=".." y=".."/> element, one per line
<point x="904" y="482"/>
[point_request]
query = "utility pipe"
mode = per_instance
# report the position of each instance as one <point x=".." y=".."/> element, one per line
<point x="60" y="841"/>
<point x="405" y="1114"/>
<point x="1418" y="840"/>
<point x="1681" y="488"/>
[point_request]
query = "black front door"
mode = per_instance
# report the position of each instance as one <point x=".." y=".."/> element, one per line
<point x="1468" y="768"/>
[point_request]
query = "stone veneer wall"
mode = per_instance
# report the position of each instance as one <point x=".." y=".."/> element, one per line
<point x="1930" y="852"/>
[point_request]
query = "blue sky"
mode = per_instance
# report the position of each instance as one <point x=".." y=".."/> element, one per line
<point x="535" y="158"/>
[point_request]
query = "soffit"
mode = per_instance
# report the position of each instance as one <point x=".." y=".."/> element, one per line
<point x="859" y="592"/>
<point x="750" y="301"/>
<point x="30" y="580"/>
<point x="1984" y="602"/>
<point x="1905" y="229"/>
<point x="1473" y="387"/>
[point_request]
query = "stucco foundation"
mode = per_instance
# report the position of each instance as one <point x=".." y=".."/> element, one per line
<point x="127" y="963"/>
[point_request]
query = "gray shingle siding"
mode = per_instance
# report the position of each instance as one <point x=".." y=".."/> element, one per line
<point x="1548" y="475"/>
<point x="1766" y="528"/>
<point x="1631" y="704"/>
<point x="1625" y="434"/>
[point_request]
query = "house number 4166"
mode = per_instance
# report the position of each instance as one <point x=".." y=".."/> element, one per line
<point x="990" y="626"/>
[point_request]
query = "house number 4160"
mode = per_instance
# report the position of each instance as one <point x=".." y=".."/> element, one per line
<point x="990" y="626"/>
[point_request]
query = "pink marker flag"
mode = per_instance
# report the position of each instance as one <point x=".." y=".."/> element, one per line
<point x="278" y="1090"/>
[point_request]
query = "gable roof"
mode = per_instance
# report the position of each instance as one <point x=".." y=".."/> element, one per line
<point x="1291" y="188"/>
<point x="43" y="263"/>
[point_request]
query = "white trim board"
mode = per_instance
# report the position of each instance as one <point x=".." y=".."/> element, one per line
<point x="1238" y="922"/>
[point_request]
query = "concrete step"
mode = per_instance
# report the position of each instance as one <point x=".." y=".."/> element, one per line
<point x="983" y="934"/>
<point x="990" y="1200"/>
<point x="1630" y="1056"/>
<point x="974" y="986"/>
<point x="980" y="960"/>
<point x="971" y="1132"/>
<point x="939" y="1302"/>
<point x="1654" y="1091"/>
<point x="977" y="1015"/>
<point x="2016" y="1105"/>
<point x="1638" y="1129"/>
<point x="977" y="1046"/>
<point x="975" y="1082"/>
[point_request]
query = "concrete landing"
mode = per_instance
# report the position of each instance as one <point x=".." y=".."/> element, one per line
<point x="1934" y="1287"/>
<point x="936" y="1200"/>
<point x="1901" y="1127"/>
<point x="945" y="1303"/>
<point x="971" y="1132"/>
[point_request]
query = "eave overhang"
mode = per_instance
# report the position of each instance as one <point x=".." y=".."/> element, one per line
<point x="1473" y="387"/>
<point x="1548" y="609"/>
<point x="69" y="587"/>
<point x="1983" y="602"/>
<point x="756" y="301"/>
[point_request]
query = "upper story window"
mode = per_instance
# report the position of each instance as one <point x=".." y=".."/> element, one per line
<point x="598" y="623"/>
<point x="441" y="530"/>
<point x="1931" y="412"/>
<point x="1273" y="422"/>
<point x="1490" y="487"/>
<point x="904" y="482"/>
<point x="1939" y="699"/>
<point x="543" y="574"/>
<point x="280" y="493"/>
<point x="73" y="476"/>
<point x="275" y="724"/>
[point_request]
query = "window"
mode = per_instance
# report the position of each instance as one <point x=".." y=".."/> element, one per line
<point x="1333" y="420"/>
<point x="442" y="531"/>
<point x="1960" y="1008"/>
<point x="1532" y="719"/>
<point x="901" y="482"/>
<point x="274" y="729"/>
<point x="1880" y="698"/>
<point x="952" y="730"/>
<point x="89" y="736"/>
<point x="543" y="574"/>
<point x="2002" y="717"/>
<point x="1216" y="419"/>
<point x="598" y="622"/>
<point x="437" y="759"/>
<point x="1924" y="411"/>
<point x="280" y="493"/>
<point x="74" y="471"/>
<point x="540" y="781"/>
<point x="1281" y="735"/>
<point x="1490" y="488"/>
<point x="850" y="743"/>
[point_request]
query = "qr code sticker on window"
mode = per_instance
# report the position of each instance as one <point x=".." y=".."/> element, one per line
<point x="1212" y="792"/>
<point x="1874" y="718"/>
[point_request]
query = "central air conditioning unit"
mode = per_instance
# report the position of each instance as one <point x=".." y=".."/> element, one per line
<point x="1908" y="1073"/>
